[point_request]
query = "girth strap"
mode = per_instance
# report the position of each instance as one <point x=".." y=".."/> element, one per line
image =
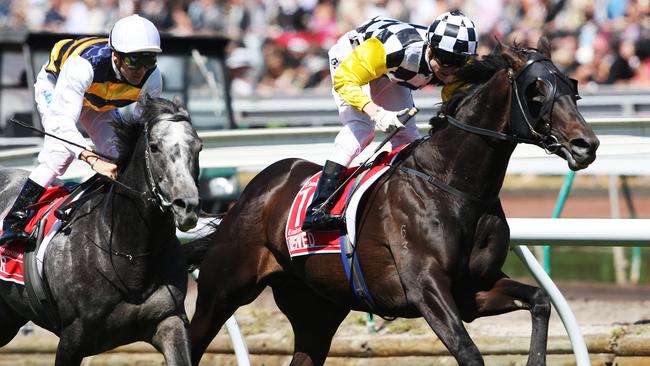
<point x="38" y="293"/>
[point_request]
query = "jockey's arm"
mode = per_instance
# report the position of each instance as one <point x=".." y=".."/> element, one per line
<point x="367" y="62"/>
<point x="67" y="100"/>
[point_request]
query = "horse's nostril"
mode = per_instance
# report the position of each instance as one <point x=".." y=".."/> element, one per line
<point x="580" y="144"/>
<point x="583" y="146"/>
<point x="188" y="204"/>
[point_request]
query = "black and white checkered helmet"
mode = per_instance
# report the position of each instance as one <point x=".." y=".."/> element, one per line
<point x="454" y="32"/>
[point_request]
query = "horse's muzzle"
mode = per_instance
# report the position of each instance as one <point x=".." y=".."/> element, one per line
<point x="186" y="212"/>
<point x="582" y="152"/>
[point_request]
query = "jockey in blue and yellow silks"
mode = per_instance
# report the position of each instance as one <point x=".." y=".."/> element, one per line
<point x="85" y="81"/>
<point x="108" y="90"/>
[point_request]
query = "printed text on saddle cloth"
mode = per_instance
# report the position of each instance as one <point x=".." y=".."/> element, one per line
<point x="301" y="242"/>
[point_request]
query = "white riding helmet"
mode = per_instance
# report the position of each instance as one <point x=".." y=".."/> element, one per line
<point x="455" y="33"/>
<point x="134" y="34"/>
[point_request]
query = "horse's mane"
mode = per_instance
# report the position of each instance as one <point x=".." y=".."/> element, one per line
<point x="128" y="132"/>
<point x="478" y="72"/>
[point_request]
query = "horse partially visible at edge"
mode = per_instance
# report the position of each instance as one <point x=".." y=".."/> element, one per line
<point x="116" y="273"/>
<point x="432" y="236"/>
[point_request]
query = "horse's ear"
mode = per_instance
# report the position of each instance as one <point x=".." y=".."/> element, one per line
<point x="179" y="103"/>
<point x="145" y="99"/>
<point x="544" y="46"/>
<point x="498" y="46"/>
<point x="514" y="59"/>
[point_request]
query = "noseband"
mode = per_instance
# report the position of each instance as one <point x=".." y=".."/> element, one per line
<point x="522" y="121"/>
<point x="155" y="194"/>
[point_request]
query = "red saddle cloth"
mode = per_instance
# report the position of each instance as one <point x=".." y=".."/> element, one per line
<point x="11" y="259"/>
<point x="302" y="242"/>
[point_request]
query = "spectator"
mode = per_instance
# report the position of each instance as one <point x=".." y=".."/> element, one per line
<point x="54" y="18"/>
<point x="239" y="67"/>
<point x="622" y="70"/>
<point x="207" y="16"/>
<point x="575" y="26"/>
<point x="159" y="12"/>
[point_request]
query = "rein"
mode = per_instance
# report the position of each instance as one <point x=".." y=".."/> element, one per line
<point x="152" y="196"/>
<point x="418" y="172"/>
<point x="548" y="142"/>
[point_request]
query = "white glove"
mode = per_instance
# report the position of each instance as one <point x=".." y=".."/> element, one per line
<point x="387" y="121"/>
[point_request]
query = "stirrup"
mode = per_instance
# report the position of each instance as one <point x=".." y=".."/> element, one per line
<point x="324" y="222"/>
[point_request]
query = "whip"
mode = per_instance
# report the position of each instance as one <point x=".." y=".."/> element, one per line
<point x="25" y="125"/>
<point x="404" y="118"/>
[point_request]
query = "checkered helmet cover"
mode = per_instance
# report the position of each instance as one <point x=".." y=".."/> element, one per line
<point x="454" y="32"/>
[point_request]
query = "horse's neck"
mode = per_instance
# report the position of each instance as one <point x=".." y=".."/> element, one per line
<point x="469" y="162"/>
<point x="137" y="225"/>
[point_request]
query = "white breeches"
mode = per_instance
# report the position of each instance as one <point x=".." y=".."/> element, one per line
<point x="55" y="158"/>
<point x="358" y="129"/>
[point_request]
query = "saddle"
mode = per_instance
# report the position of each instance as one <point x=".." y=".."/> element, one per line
<point x="348" y="204"/>
<point x="23" y="262"/>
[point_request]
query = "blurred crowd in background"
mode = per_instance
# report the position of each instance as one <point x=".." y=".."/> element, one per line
<point x="280" y="46"/>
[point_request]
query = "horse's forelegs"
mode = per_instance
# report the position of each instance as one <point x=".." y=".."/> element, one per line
<point x="173" y="341"/>
<point x="209" y="316"/>
<point x="508" y="295"/>
<point x="219" y="295"/>
<point x="314" y="321"/>
<point x="437" y="306"/>
<point x="68" y="352"/>
<point x="11" y="323"/>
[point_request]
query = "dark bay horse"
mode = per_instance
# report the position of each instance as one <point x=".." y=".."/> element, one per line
<point x="116" y="273"/>
<point x="432" y="235"/>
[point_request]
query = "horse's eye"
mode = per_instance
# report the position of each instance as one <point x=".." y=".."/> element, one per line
<point x="153" y="147"/>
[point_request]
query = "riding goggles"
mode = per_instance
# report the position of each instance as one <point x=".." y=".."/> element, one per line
<point x="448" y="59"/>
<point x="137" y="60"/>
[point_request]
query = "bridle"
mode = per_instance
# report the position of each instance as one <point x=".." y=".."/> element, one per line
<point x="522" y="122"/>
<point x="153" y="195"/>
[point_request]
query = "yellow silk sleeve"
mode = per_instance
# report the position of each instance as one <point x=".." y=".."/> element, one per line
<point x="366" y="63"/>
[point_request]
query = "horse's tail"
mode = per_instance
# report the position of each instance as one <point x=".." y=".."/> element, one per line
<point x="195" y="250"/>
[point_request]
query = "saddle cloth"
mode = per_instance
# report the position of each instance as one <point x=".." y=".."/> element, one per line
<point x="11" y="259"/>
<point x="302" y="242"/>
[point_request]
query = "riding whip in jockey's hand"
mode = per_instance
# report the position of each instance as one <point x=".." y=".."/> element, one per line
<point x="85" y="81"/>
<point x="374" y="68"/>
<point x="387" y="121"/>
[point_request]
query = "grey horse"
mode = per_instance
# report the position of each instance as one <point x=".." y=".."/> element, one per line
<point x="116" y="272"/>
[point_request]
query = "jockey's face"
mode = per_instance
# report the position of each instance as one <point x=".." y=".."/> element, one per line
<point x="443" y="73"/>
<point x="132" y="74"/>
<point x="444" y="69"/>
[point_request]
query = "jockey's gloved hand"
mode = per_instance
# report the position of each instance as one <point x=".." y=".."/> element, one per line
<point x="387" y="121"/>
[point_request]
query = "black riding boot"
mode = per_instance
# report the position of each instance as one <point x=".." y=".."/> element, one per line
<point x="16" y="219"/>
<point x="329" y="181"/>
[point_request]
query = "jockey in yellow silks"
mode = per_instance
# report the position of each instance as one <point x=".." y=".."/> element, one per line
<point x="374" y="68"/>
